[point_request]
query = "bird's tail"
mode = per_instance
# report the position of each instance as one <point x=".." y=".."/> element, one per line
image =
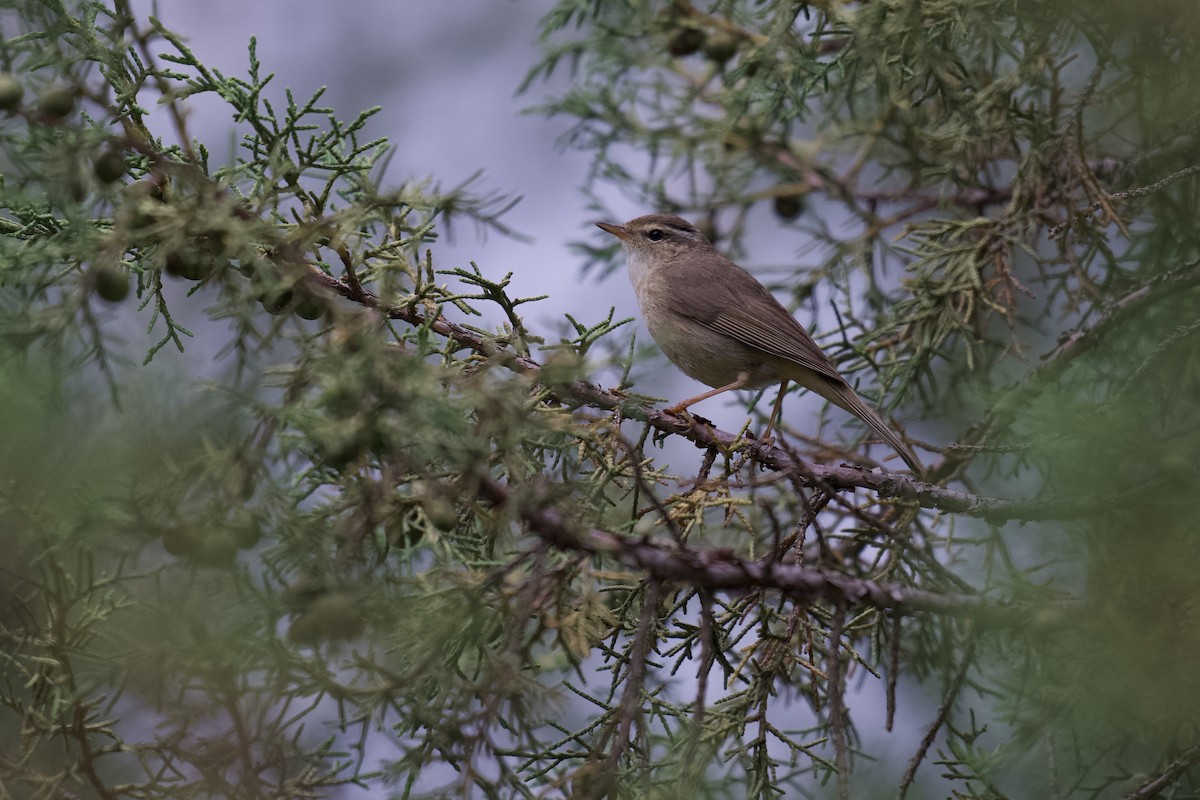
<point x="846" y="398"/>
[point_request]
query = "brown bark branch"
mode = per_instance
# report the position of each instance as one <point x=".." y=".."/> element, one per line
<point x="1173" y="772"/>
<point x="718" y="568"/>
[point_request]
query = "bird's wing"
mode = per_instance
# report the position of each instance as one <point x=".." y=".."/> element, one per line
<point x="769" y="327"/>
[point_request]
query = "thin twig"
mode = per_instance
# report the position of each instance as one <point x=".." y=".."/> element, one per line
<point x="1172" y="773"/>
<point x="837" y="705"/>
<point x="893" y="671"/>
<point x="943" y="713"/>
<point x="719" y="568"/>
<point x="1141" y="191"/>
<point x="630" y="705"/>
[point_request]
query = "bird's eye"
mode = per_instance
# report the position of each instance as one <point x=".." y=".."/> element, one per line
<point x="655" y="235"/>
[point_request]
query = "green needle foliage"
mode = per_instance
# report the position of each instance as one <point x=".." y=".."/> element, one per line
<point x="395" y="540"/>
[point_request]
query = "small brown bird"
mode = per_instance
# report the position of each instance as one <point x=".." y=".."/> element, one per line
<point x="718" y="324"/>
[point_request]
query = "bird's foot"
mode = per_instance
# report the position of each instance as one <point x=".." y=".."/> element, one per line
<point x="768" y="439"/>
<point x="679" y="411"/>
<point x="687" y="416"/>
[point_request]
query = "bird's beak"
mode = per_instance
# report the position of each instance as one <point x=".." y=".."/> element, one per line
<point x="616" y="230"/>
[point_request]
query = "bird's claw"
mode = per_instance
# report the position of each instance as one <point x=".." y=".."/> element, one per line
<point x="682" y="413"/>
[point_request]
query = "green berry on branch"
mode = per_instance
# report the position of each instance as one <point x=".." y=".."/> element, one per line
<point x="110" y="283"/>
<point x="685" y="41"/>
<point x="721" y="47"/>
<point x="110" y="166"/>
<point x="181" y="265"/>
<point x="192" y="266"/>
<point x="181" y="540"/>
<point x="57" y="102"/>
<point x="440" y="512"/>
<point x="789" y="206"/>
<point x="276" y="302"/>
<point x="218" y="548"/>
<point x="332" y="616"/>
<point x="11" y="91"/>
<point x="309" y="308"/>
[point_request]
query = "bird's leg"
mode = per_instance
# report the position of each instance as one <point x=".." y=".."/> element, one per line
<point x="742" y="379"/>
<point x="766" y="437"/>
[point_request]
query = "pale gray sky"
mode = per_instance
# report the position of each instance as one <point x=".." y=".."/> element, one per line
<point x="445" y="75"/>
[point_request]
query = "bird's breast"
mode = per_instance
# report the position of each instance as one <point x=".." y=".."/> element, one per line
<point x="706" y="355"/>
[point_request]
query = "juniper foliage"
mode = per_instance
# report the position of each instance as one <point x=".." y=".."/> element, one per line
<point x="380" y="545"/>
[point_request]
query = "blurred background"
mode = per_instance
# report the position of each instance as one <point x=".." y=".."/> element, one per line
<point x="446" y="76"/>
